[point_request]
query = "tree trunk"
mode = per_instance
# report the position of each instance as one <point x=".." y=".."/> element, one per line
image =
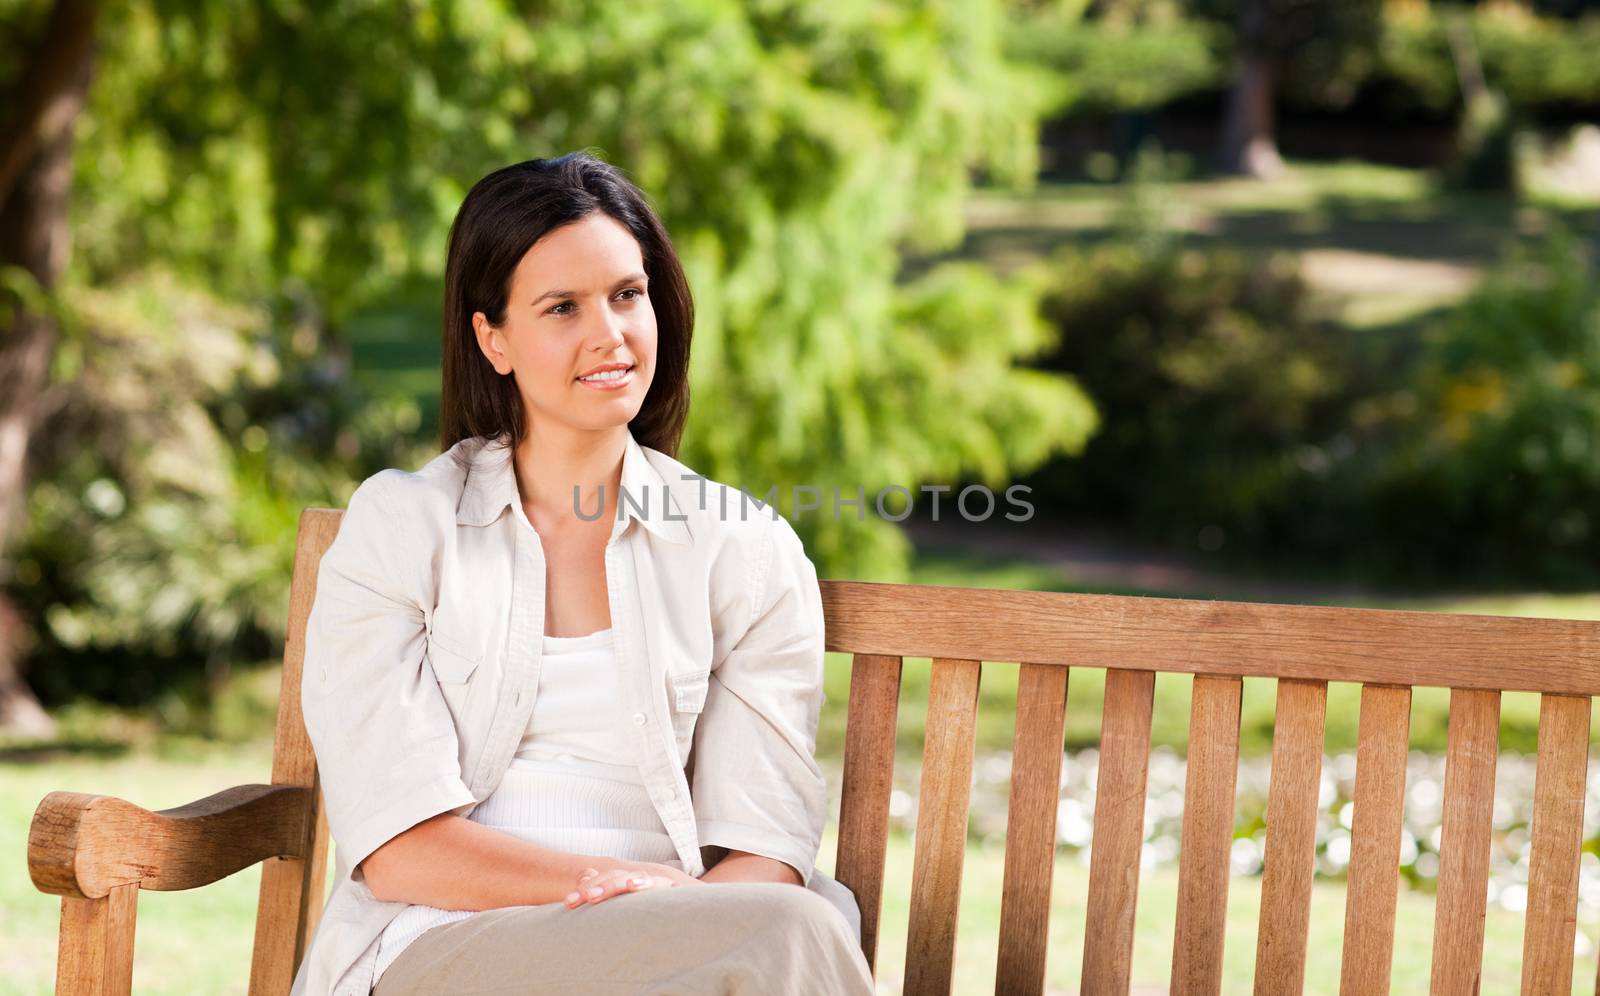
<point x="1248" y="147"/>
<point x="35" y="187"/>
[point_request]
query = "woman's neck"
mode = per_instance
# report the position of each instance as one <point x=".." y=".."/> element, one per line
<point x="550" y="463"/>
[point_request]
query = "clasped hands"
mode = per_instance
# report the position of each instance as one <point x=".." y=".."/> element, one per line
<point x="596" y="886"/>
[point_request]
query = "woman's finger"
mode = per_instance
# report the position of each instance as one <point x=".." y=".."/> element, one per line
<point x="585" y="878"/>
<point x="595" y="888"/>
<point x="637" y="882"/>
<point x="611" y="885"/>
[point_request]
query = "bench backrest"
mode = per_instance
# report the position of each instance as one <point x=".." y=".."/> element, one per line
<point x="1221" y="644"/>
<point x="1132" y="638"/>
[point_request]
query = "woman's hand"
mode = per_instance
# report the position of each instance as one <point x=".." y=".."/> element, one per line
<point x="595" y="886"/>
<point x="667" y="871"/>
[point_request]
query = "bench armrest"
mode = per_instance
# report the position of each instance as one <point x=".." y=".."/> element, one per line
<point x="83" y="846"/>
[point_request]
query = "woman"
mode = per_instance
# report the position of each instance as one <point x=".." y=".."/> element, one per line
<point x="549" y="667"/>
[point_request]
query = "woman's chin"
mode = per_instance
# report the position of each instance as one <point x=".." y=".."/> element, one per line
<point x="605" y="411"/>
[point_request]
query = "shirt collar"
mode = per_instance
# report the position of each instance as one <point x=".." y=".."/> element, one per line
<point x="491" y="487"/>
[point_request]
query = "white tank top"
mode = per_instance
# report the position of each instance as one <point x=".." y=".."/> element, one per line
<point x="578" y="715"/>
<point x="574" y="782"/>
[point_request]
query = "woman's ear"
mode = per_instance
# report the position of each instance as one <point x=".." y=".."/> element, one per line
<point x="490" y="343"/>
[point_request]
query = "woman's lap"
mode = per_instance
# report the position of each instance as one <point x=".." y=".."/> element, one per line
<point x="724" y="938"/>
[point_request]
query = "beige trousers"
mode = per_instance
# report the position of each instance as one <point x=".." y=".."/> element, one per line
<point x="724" y="939"/>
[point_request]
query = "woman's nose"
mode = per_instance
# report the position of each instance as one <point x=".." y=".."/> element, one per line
<point x="609" y="334"/>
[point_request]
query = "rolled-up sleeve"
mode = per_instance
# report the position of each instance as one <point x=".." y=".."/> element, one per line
<point x="757" y="786"/>
<point x="384" y="738"/>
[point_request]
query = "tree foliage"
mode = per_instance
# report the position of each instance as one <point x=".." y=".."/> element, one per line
<point x="281" y="173"/>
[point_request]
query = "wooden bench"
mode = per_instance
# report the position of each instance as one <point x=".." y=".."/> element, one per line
<point x="97" y="852"/>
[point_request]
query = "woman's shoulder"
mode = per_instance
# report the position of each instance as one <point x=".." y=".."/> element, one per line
<point x="717" y="513"/>
<point x="395" y="498"/>
<point x="756" y="563"/>
<point x="742" y="535"/>
<point x="396" y="523"/>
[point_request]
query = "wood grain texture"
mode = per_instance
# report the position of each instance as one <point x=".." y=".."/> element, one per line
<point x="943" y="801"/>
<point x="1291" y="848"/>
<point x="869" y="736"/>
<point x="291" y="896"/>
<point x="1036" y="751"/>
<point x="1470" y="753"/>
<point x="1381" y="646"/>
<point x="1374" y="879"/>
<point x="84" y="845"/>
<point x="1207" y="840"/>
<point x="1118" y="831"/>
<point x="1558" y="797"/>
<point x="95" y="953"/>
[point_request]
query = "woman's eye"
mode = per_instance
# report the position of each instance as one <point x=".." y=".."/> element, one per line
<point x="636" y="292"/>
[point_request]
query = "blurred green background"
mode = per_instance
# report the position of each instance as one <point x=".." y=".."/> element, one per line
<point x="1279" y="300"/>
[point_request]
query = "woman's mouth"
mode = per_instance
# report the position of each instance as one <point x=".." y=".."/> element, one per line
<point x="609" y="380"/>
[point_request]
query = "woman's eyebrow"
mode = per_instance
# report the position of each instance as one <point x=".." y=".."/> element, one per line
<point x="630" y="278"/>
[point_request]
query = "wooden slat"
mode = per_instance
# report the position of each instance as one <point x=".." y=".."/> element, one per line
<point x="1558" y="796"/>
<point x="1473" y="744"/>
<point x="95" y="954"/>
<point x="873" y="706"/>
<point x="1375" y="840"/>
<point x="1314" y="642"/>
<point x="1291" y="850"/>
<point x="1031" y="828"/>
<point x="1118" y="831"/>
<point x="943" y="801"/>
<point x="291" y="896"/>
<point x="1208" y="815"/>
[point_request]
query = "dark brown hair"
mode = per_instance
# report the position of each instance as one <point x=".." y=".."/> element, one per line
<point x="503" y="215"/>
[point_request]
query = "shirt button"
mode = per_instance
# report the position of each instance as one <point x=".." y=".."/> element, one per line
<point x="638" y="719"/>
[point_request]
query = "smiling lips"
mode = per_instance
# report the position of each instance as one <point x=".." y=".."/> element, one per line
<point x="610" y="378"/>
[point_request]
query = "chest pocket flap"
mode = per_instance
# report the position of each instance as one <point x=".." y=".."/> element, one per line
<point x="689" y="691"/>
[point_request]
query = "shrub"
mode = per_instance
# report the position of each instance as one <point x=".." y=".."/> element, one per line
<point x="1210" y="373"/>
<point x="1499" y="470"/>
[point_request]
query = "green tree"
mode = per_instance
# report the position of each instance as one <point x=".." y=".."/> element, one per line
<point x="302" y="162"/>
<point x="46" y="90"/>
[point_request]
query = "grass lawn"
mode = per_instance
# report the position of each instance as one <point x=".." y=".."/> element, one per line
<point x="199" y="942"/>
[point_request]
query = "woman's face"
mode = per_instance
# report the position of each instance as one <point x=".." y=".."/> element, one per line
<point x="578" y="302"/>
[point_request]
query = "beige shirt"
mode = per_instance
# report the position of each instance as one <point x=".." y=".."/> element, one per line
<point x="422" y="658"/>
